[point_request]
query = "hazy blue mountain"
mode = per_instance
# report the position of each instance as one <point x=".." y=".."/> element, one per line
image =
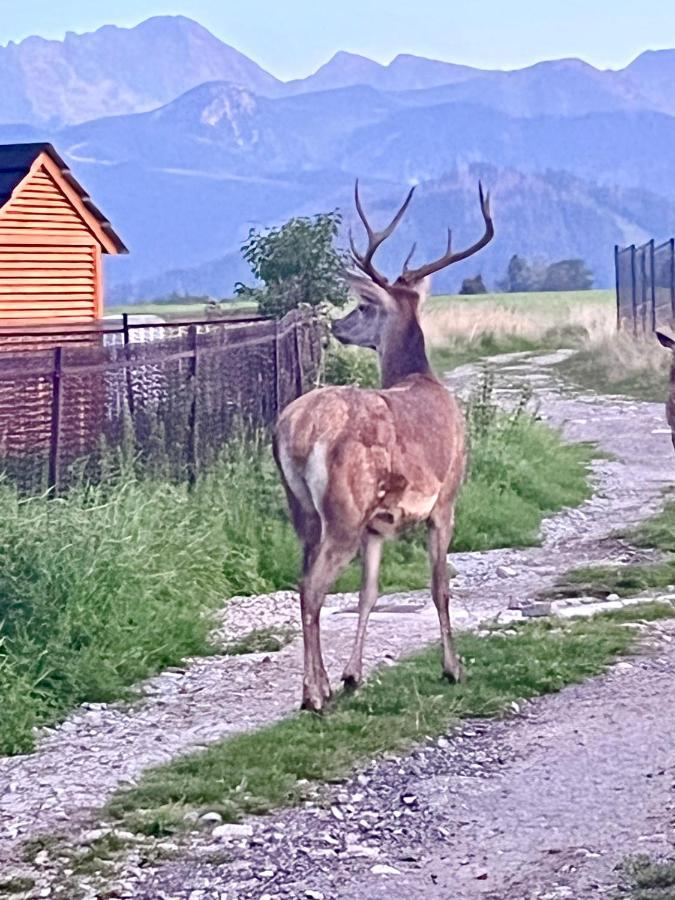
<point x="651" y="77"/>
<point x="227" y="131"/>
<point x="404" y="72"/>
<point x="545" y="216"/>
<point x="186" y="144"/>
<point x="117" y="70"/>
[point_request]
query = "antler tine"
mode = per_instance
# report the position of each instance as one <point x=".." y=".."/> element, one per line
<point x="449" y="257"/>
<point x="409" y="256"/>
<point x="375" y="238"/>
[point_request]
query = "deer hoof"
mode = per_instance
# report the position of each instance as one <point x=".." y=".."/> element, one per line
<point x="351" y="682"/>
<point x="454" y="675"/>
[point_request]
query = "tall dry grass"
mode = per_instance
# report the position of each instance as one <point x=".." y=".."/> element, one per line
<point x="461" y="329"/>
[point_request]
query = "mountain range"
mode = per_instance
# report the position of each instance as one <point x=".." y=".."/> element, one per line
<point x="186" y="143"/>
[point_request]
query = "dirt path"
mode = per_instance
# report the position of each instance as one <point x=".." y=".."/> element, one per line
<point x="78" y="765"/>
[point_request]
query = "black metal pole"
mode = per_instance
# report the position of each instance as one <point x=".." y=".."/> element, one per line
<point x="633" y="286"/>
<point x="55" y="433"/>
<point x="193" y="462"/>
<point x="617" y="282"/>
<point x="652" y="274"/>
<point x="672" y="279"/>
<point x="127" y="368"/>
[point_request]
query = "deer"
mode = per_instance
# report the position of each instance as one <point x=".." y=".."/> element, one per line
<point x="360" y="465"/>
<point x="669" y="344"/>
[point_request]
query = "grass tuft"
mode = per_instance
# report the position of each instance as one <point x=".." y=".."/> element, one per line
<point x="648" y="880"/>
<point x="261" y="640"/>
<point x="657" y="533"/>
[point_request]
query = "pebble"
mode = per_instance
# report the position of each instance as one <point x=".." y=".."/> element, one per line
<point x="231" y="831"/>
<point x="210" y="818"/>
<point x="381" y="869"/>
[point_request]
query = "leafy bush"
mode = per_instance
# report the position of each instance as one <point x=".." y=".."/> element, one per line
<point x="351" y="365"/>
<point x="297" y="264"/>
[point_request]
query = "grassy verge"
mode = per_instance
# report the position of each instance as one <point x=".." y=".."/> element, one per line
<point x="620" y="364"/>
<point x="255" y="772"/>
<point x="648" y="880"/>
<point x="111" y="584"/>
<point x="657" y="533"/>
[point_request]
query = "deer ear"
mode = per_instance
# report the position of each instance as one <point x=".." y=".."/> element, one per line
<point x="367" y="289"/>
<point x="424" y="289"/>
<point x="665" y="341"/>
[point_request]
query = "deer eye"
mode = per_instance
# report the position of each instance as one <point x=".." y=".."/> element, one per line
<point x="364" y="307"/>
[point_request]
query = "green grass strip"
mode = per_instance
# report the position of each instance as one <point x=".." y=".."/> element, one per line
<point x="257" y="771"/>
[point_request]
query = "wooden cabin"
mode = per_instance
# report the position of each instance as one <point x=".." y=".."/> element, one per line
<point x="52" y="238"/>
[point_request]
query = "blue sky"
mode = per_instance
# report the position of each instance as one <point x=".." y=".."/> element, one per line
<point x="293" y="37"/>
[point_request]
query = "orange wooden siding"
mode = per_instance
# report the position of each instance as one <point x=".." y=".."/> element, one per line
<point x="50" y="262"/>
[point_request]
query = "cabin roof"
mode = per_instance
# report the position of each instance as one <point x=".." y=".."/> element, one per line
<point x="16" y="161"/>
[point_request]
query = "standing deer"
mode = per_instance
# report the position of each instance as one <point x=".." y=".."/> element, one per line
<point x="358" y="465"/>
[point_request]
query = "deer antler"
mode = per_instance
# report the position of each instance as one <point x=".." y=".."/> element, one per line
<point x="375" y="238"/>
<point x="413" y="275"/>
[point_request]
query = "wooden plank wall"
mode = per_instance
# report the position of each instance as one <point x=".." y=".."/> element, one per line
<point x="49" y="260"/>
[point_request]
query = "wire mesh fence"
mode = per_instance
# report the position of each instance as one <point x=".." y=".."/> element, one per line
<point x="167" y="396"/>
<point x="645" y="286"/>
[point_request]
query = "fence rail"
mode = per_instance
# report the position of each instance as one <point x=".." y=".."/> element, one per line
<point x="645" y="286"/>
<point x="170" y="395"/>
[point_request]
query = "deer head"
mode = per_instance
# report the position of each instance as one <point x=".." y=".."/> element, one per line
<point x="387" y="316"/>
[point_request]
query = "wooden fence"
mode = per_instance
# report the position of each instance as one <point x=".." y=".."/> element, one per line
<point x="166" y="396"/>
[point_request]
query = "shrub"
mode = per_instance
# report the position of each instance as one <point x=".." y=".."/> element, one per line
<point x="297" y="264"/>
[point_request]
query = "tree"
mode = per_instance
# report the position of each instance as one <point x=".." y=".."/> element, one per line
<point x="520" y="276"/>
<point x="568" y="275"/>
<point x="473" y="286"/>
<point x="297" y="264"/>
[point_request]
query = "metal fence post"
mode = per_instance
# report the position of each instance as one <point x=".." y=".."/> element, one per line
<point x="127" y="367"/>
<point x="193" y="461"/>
<point x="277" y="397"/>
<point x="633" y="286"/>
<point x="652" y="273"/>
<point x="299" y="378"/>
<point x="55" y="432"/>
<point x="617" y="282"/>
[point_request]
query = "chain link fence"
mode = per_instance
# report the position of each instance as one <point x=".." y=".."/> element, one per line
<point x="645" y="286"/>
<point x="168" y="397"/>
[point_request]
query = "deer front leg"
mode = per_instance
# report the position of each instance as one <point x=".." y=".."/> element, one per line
<point x="328" y="560"/>
<point x="371" y="550"/>
<point x="439" y="535"/>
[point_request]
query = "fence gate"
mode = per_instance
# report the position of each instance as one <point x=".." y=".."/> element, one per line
<point x="645" y="286"/>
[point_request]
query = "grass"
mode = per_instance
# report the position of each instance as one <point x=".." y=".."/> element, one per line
<point x="657" y="533"/>
<point x="261" y="640"/>
<point x="464" y="329"/>
<point x="621" y="364"/>
<point x="648" y="880"/>
<point x="195" y="309"/>
<point x="257" y="771"/>
<point x="111" y="584"/>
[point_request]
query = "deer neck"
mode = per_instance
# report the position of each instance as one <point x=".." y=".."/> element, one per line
<point x="403" y="352"/>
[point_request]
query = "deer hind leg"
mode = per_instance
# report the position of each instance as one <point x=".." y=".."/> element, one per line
<point x="440" y="528"/>
<point x="371" y="552"/>
<point x="327" y="561"/>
